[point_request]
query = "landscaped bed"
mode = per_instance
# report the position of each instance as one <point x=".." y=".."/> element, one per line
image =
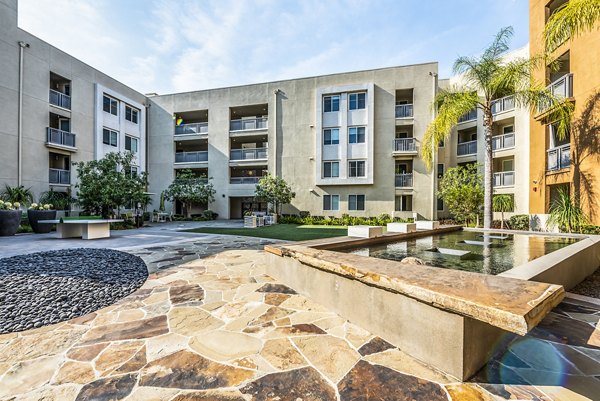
<point x="286" y="232"/>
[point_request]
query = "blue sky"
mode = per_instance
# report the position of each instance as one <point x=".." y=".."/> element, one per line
<point x="167" y="46"/>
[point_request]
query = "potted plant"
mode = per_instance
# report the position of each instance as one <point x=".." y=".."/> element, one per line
<point x="38" y="212"/>
<point x="10" y="218"/>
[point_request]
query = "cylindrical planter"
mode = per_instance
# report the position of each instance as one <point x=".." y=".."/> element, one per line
<point x="10" y="220"/>
<point x="37" y="215"/>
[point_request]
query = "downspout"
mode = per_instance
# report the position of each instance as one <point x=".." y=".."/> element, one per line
<point x="434" y="152"/>
<point x="274" y="146"/>
<point x="22" y="46"/>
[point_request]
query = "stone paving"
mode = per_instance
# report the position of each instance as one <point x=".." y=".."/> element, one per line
<point x="219" y="329"/>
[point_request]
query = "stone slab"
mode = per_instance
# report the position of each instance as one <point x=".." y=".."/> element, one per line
<point x="365" y="231"/>
<point x="401" y="227"/>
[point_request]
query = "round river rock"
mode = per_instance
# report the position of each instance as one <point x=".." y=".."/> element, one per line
<point x="50" y="287"/>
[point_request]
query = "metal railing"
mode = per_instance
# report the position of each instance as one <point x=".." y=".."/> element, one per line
<point x="503" y="104"/>
<point x="60" y="99"/>
<point x="404" y="180"/>
<point x="191" y="157"/>
<point x="503" y="141"/>
<point x="470" y="116"/>
<point x="504" y="179"/>
<point x="248" y="154"/>
<point x="191" y="129"/>
<point x="466" y="148"/>
<point x="244" y="180"/>
<point x="249" y="124"/>
<point x="405" y="145"/>
<point x="58" y="176"/>
<point x="59" y="137"/>
<point x="559" y="157"/>
<point x="560" y="88"/>
<point x="404" y="110"/>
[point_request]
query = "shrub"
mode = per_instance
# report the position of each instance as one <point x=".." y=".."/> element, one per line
<point x="589" y="229"/>
<point x="519" y="222"/>
<point x="210" y="215"/>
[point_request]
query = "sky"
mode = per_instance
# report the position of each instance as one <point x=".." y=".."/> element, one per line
<point x="168" y="46"/>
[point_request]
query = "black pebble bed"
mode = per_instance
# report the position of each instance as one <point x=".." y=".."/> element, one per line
<point x="50" y="287"/>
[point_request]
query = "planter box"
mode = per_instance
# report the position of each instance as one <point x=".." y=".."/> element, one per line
<point x="10" y="220"/>
<point x="36" y="215"/>
<point x="401" y="227"/>
<point x="427" y="225"/>
<point x="365" y="231"/>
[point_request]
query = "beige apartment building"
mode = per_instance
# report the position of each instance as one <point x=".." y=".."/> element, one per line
<point x="346" y="143"/>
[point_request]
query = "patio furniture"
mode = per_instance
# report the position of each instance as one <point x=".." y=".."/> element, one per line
<point x="86" y="229"/>
<point x="401" y="227"/>
<point x="365" y="231"/>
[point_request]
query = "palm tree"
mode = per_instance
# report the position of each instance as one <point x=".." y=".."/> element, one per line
<point x="486" y="78"/>
<point x="503" y="203"/>
<point x="570" y="20"/>
<point x="565" y="214"/>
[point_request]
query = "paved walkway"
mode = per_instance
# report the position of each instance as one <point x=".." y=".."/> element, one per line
<point x="219" y="329"/>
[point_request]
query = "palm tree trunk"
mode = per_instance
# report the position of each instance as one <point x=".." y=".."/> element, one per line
<point x="488" y="173"/>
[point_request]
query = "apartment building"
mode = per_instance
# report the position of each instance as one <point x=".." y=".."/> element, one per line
<point x="571" y="162"/>
<point x="57" y="110"/>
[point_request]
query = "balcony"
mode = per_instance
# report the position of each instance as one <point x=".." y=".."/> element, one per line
<point x="562" y="88"/>
<point x="191" y="157"/>
<point x="244" y="180"/>
<point x="559" y="157"/>
<point x="466" y="148"/>
<point x="60" y="99"/>
<point x="60" y="138"/>
<point x="501" y="105"/>
<point x="504" y="179"/>
<point x="249" y="124"/>
<point x="470" y="116"/>
<point x="248" y="154"/>
<point x="58" y="176"/>
<point x="405" y="145"/>
<point x="504" y="141"/>
<point x="404" y="180"/>
<point x="404" y="111"/>
<point x="191" y="129"/>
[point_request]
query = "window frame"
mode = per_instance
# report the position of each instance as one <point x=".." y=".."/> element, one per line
<point x="364" y="164"/>
<point x="356" y="202"/>
<point x="331" y="140"/>
<point x="110" y="137"/>
<point x="357" y="101"/>
<point x="357" y="136"/>
<point x="132" y="111"/>
<point x="331" y="103"/>
<point x="111" y="101"/>
<point x="403" y="204"/>
<point x="137" y="143"/>
<point x="331" y="162"/>
<point x="330" y="207"/>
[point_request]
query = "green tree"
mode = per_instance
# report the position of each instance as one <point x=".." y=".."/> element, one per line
<point x="274" y="190"/>
<point x="188" y="189"/>
<point x="107" y="184"/>
<point x="503" y="203"/>
<point x="18" y="194"/>
<point x="462" y="191"/>
<point x="570" y="20"/>
<point x="486" y="78"/>
<point x="565" y="214"/>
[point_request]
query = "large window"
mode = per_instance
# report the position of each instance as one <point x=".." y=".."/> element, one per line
<point x="331" y="136"/>
<point x="331" y="103"/>
<point x="440" y="171"/>
<point x="440" y="204"/>
<point x="356" y="168"/>
<point x="356" y="202"/>
<point x="131" y="114"/>
<point x="356" y="135"/>
<point x="331" y="202"/>
<point x="110" y="137"/>
<point x="131" y="144"/>
<point x="403" y="203"/>
<point x="110" y="105"/>
<point x="331" y="169"/>
<point x="357" y="101"/>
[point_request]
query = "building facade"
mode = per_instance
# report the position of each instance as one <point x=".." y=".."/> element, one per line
<point x="572" y="162"/>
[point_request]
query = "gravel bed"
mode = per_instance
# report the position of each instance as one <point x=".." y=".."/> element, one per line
<point x="590" y="286"/>
<point x="50" y="287"/>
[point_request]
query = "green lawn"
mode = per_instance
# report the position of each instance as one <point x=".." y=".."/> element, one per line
<point x="286" y="232"/>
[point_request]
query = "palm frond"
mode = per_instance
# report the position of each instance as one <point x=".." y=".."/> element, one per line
<point x="452" y="103"/>
<point x="500" y="45"/>
<point x="572" y="19"/>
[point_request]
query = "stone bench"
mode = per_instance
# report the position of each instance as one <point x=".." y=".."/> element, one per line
<point x="365" y="231"/>
<point x="85" y="229"/>
<point x="427" y="225"/>
<point x="401" y="227"/>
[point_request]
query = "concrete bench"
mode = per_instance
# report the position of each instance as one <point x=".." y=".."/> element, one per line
<point x="365" y="231"/>
<point x="85" y="229"/>
<point x="427" y="225"/>
<point x="401" y="227"/>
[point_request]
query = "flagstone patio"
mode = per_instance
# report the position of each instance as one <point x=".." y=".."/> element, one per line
<point x="218" y="328"/>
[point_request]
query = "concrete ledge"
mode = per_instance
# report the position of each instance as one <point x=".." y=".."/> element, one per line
<point x="365" y="231"/>
<point x="427" y="225"/>
<point x="401" y="227"/>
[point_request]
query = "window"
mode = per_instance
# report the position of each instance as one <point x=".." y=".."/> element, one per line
<point x="440" y="204"/>
<point x="403" y="203"/>
<point x="356" y="168"/>
<point x="509" y="129"/>
<point x="440" y="171"/>
<point x="331" y="169"/>
<point x="356" y="202"/>
<point x="357" y="101"/>
<point x="442" y="143"/>
<point x="131" y="114"/>
<point x="331" y="202"/>
<point x="110" y="137"/>
<point x="133" y="171"/>
<point x="331" y="136"/>
<point x="356" y="135"/>
<point x="331" y="103"/>
<point x="131" y="144"/>
<point x="110" y="105"/>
